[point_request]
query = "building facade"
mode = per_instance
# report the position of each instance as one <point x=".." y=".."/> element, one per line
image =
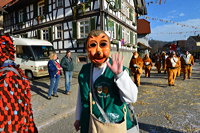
<point x="66" y="23"/>
<point x="193" y="46"/>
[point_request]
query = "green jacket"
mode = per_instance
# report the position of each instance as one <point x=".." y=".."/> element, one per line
<point x="108" y="95"/>
<point x="67" y="64"/>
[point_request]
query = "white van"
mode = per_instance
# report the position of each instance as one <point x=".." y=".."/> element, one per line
<point x="33" y="55"/>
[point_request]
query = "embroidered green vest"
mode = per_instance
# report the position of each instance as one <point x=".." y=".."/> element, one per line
<point x="108" y="96"/>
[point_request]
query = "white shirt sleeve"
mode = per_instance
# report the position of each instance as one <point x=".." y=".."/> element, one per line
<point x="78" y="106"/>
<point x="128" y="89"/>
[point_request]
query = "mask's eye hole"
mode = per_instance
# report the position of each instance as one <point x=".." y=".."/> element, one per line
<point x="103" y="44"/>
<point x="93" y="45"/>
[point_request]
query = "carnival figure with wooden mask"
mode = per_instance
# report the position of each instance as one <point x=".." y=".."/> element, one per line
<point x="105" y="88"/>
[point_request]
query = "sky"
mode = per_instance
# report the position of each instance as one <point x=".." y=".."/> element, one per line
<point x="173" y="19"/>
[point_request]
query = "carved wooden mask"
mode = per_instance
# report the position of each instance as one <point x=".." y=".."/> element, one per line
<point x="98" y="48"/>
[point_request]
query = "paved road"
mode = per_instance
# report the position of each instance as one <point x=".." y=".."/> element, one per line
<point x="160" y="108"/>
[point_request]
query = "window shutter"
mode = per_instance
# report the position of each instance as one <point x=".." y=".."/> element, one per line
<point x="117" y="32"/>
<point x="92" y="24"/>
<point x="35" y="10"/>
<point x="24" y="15"/>
<point x="39" y="34"/>
<point x="120" y="32"/>
<point x="74" y="30"/>
<point x="131" y="14"/>
<point x="46" y="7"/>
<point x="131" y="37"/>
<point x="120" y="4"/>
<point x="116" y="4"/>
<point x="50" y="34"/>
<point x="16" y="17"/>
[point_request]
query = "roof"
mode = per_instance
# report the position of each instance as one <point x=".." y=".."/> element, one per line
<point x="196" y="38"/>
<point x="145" y="45"/>
<point x="143" y="26"/>
<point x="4" y="2"/>
<point x="26" y="41"/>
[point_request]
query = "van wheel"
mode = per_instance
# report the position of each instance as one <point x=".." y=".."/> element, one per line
<point x="29" y="75"/>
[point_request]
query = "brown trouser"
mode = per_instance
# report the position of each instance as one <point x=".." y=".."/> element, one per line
<point x="187" y="71"/>
<point x="137" y="79"/>
<point x="147" y="71"/>
<point x="172" y="75"/>
<point x="158" y="66"/>
<point x="179" y="71"/>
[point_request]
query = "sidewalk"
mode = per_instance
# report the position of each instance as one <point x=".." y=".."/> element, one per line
<point x="49" y="111"/>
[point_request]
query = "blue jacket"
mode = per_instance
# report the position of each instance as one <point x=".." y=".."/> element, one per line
<point x="52" y="69"/>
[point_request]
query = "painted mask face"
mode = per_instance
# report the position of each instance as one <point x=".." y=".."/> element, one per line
<point x="98" y="48"/>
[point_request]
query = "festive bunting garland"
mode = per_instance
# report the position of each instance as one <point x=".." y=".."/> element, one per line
<point x="170" y="21"/>
<point x="181" y="32"/>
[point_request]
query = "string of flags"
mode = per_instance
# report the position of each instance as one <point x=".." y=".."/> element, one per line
<point x="156" y="2"/>
<point x="181" y="32"/>
<point x="170" y="21"/>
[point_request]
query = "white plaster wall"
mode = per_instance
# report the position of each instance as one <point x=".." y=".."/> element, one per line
<point x="68" y="12"/>
<point x="60" y="13"/>
<point x="67" y="44"/>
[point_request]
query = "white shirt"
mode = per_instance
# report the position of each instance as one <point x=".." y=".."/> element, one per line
<point x="128" y="89"/>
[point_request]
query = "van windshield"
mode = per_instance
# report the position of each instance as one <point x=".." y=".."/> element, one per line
<point x="42" y="52"/>
<point x="34" y="52"/>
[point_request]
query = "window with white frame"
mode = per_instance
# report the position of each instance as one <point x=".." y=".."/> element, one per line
<point x="127" y="36"/>
<point x="45" y="34"/>
<point x="59" y="32"/>
<point x="111" y="27"/>
<point x="59" y="3"/>
<point x="41" y="9"/>
<point x="21" y="15"/>
<point x="84" y="28"/>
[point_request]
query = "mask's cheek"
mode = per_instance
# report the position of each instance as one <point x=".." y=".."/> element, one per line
<point x="91" y="53"/>
<point x="106" y="52"/>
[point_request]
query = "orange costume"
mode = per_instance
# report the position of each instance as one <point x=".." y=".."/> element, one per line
<point x="164" y="65"/>
<point x="172" y="66"/>
<point x="147" y="65"/>
<point x="15" y="103"/>
<point x="158" y="63"/>
<point x="187" y="61"/>
<point x="179" y="68"/>
<point x="136" y="65"/>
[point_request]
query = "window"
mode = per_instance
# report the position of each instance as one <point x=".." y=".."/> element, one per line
<point x="21" y="15"/>
<point x="41" y="9"/>
<point x="59" y="32"/>
<point x="127" y="37"/>
<point x="59" y="3"/>
<point x="82" y="1"/>
<point x="111" y="28"/>
<point x="84" y="28"/>
<point x="45" y="34"/>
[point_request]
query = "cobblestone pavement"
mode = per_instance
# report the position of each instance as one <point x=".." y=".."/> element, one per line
<point x="160" y="108"/>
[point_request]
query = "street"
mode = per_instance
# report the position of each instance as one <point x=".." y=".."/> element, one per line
<point x="160" y="108"/>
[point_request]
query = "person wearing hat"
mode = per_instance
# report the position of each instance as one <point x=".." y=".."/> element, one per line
<point x="147" y="65"/>
<point x="187" y="61"/>
<point x="172" y="65"/>
<point x="135" y="65"/>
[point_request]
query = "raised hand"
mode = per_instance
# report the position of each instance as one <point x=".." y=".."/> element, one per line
<point x="117" y="63"/>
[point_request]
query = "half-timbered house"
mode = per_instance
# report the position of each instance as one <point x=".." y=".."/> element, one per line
<point x="66" y="23"/>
